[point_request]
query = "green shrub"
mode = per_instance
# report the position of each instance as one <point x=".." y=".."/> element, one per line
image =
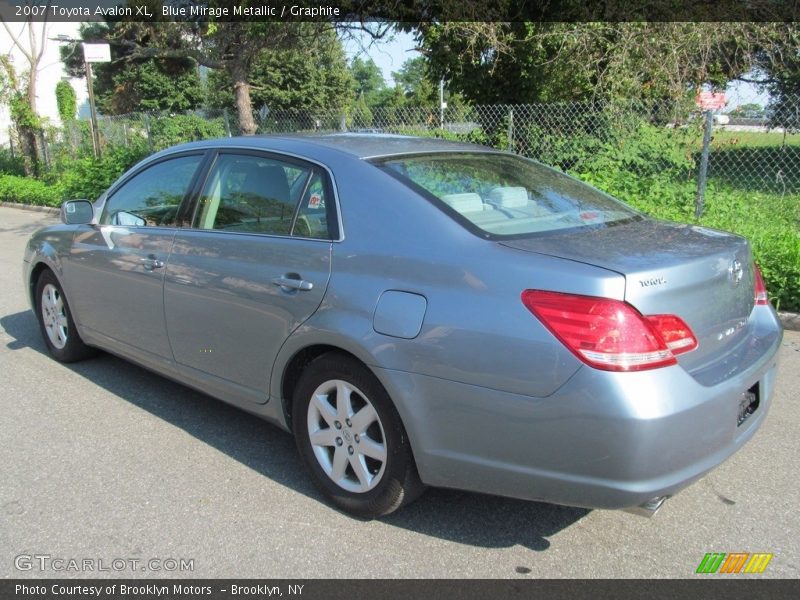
<point x="29" y="191"/>
<point x="772" y="224"/>
<point x="10" y="163"/>
<point x="176" y="129"/>
<point x="88" y="178"/>
<point x="66" y="101"/>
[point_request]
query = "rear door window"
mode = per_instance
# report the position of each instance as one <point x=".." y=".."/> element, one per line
<point x="249" y="193"/>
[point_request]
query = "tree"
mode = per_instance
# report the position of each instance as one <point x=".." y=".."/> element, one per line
<point x="777" y="70"/>
<point x="368" y="81"/>
<point x="520" y="62"/>
<point x="415" y="82"/>
<point x="229" y="46"/>
<point x="19" y="91"/>
<point x="127" y="84"/>
<point x="315" y="77"/>
<point x="748" y="111"/>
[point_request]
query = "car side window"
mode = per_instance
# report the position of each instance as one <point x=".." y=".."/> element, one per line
<point x="312" y="216"/>
<point x="152" y="196"/>
<point x="259" y="194"/>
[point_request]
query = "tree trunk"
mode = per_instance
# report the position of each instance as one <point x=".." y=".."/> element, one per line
<point x="244" y="106"/>
<point x="28" y="149"/>
<point x="31" y="93"/>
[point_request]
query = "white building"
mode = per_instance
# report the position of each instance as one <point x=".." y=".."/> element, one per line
<point x="50" y="70"/>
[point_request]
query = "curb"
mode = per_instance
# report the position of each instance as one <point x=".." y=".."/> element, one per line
<point x="30" y="207"/>
<point x="790" y="321"/>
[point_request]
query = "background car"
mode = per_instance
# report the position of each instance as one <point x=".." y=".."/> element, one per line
<point x="421" y="312"/>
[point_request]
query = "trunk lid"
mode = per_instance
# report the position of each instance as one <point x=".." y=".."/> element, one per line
<point x="702" y="275"/>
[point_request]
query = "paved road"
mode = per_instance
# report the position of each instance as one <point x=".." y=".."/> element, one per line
<point x="104" y="460"/>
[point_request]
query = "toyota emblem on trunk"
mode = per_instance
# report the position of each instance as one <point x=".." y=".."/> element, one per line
<point x="736" y="271"/>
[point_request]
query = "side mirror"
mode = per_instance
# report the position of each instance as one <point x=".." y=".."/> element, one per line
<point x="77" y="212"/>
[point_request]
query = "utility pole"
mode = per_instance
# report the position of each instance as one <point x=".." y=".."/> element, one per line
<point x="442" y="104"/>
<point x="91" y="53"/>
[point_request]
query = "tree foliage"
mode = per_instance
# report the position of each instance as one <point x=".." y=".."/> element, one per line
<point x="313" y="77"/>
<point x="414" y="80"/>
<point x="129" y="84"/>
<point x="229" y="46"/>
<point x="522" y="62"/>
<point x="368" y="81"/>
<point x="777" y="70"/>
<point x="66" y="101"/>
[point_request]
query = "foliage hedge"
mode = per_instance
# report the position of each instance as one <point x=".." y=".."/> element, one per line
<point x="14" y="188"/>
<point x="88" y="178"/>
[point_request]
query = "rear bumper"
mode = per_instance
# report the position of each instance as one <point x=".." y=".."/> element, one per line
<point x="604" y="440"/>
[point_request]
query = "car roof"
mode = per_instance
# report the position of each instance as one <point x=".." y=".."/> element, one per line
<point x="360" y="145"/>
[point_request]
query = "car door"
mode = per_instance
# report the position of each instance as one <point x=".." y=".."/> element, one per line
<point x="253" y="267"/>
<point x="116" y="267"/>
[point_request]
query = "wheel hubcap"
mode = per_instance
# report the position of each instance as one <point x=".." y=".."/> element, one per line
<point x="54" y="316"/>
<point x="347" y="436"/>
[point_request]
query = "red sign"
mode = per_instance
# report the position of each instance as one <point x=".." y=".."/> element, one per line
<point x="710" y="100"/>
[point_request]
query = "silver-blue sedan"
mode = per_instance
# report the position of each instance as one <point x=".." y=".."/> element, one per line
<point x="421" y="312"/>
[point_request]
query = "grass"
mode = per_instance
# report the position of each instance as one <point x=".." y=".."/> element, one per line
<point x="723" y="139"/>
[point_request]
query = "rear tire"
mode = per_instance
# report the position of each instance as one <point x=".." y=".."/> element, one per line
<point x="351" y="438"/>
<point x="56" y="322"/>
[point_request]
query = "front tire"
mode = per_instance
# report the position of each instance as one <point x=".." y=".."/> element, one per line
<point x="56" y="322"/>
<point x="351" y="438"/>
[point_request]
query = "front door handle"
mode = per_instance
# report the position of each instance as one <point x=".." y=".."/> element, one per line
<point x="151" y="263"/>
<point x="293" y="284"/>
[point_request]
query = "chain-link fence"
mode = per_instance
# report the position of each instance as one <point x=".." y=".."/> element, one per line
<point x="639" y="138"/>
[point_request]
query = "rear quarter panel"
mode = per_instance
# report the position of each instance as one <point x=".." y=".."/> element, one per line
<point x="476" y="329"/>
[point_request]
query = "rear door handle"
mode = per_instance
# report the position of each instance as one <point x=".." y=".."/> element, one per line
<point x="151" y="263"/>
<point x="293" y="284"/>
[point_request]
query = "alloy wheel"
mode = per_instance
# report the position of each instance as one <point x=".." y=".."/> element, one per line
<point x="347" y="436"/>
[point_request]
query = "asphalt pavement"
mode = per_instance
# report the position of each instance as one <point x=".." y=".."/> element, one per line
<point x="133" y="475"/>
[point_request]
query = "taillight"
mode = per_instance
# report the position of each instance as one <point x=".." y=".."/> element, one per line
<point x="610" y="334"/>
<point x="761" y="290"/>
<point x="674" y="331"/>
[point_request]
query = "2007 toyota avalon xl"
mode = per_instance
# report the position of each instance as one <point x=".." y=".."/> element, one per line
<point x="420" y="312"/>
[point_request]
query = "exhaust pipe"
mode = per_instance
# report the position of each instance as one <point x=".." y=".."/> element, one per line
<point x="647" y="509"/>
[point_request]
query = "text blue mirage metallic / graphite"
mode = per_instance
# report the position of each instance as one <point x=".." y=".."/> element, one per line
<point x="421" y="312"/>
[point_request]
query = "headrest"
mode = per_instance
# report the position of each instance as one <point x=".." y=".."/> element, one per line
<point x="464" y="203"/>
<point x="509" y="197"/>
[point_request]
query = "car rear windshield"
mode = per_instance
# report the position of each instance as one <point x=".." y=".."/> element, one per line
<point x="504" y="195"/>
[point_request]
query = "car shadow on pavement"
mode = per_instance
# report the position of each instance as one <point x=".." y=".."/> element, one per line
<point x="462" y="517"/>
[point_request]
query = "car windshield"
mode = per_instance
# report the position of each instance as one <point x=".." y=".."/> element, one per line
<point x="505" y="195"/>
